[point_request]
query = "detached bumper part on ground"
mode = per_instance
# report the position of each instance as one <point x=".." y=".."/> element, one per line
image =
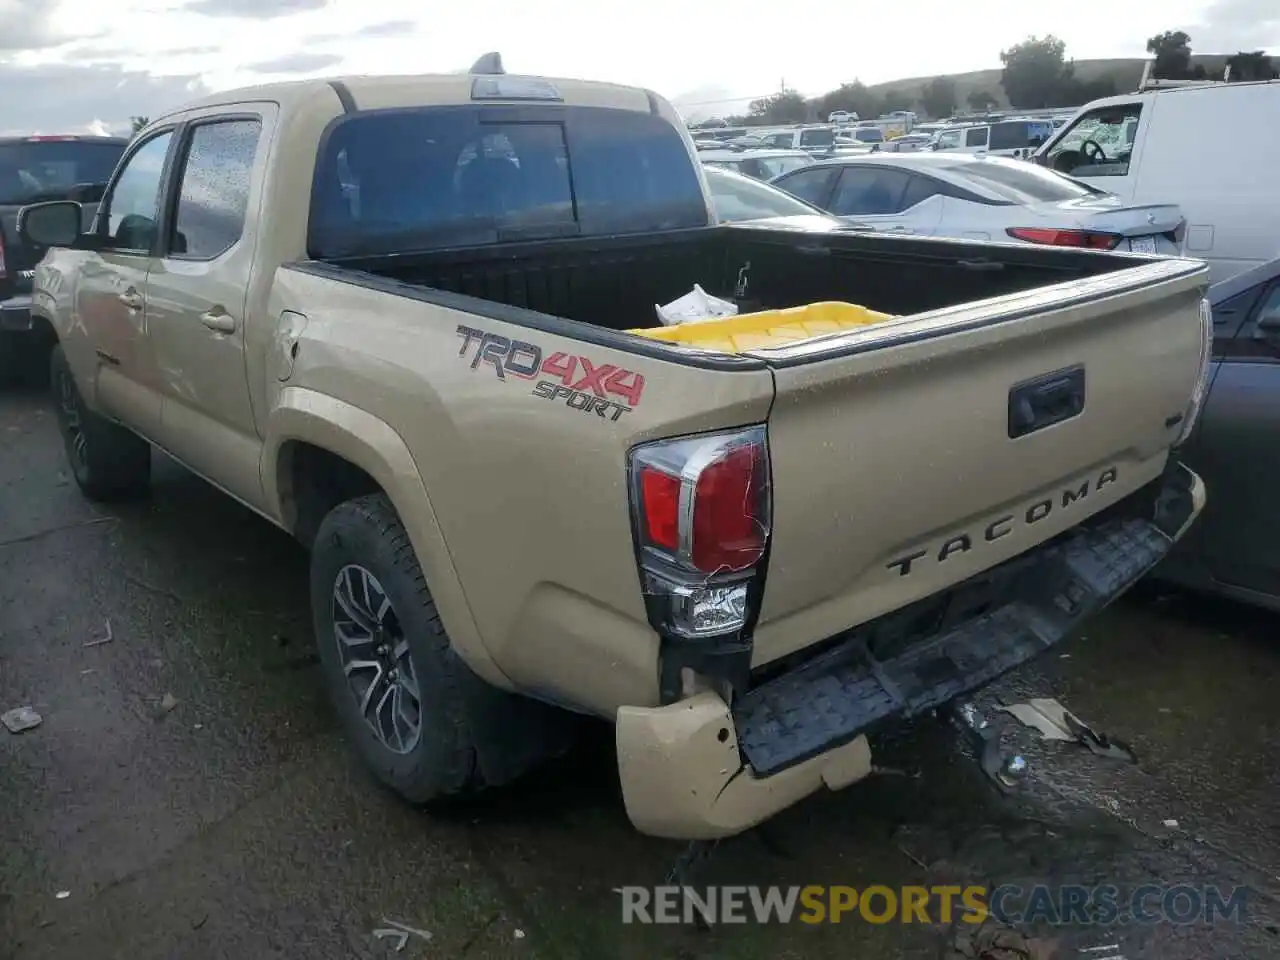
<point x="698" y="769"/>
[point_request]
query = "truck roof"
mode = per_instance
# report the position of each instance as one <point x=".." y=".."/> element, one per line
<point x="383" y="92"/>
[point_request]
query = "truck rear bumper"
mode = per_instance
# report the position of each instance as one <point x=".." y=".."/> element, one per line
<point x="700" y="770"/>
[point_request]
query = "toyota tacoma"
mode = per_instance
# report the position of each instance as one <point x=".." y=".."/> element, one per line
<point x="411" y="320"/>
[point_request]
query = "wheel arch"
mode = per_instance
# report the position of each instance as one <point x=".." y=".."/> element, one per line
<point x="307" y="430"/>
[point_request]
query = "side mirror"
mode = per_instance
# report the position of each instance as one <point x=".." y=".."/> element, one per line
<point x="934" y="145"/>
<point x="52" y="224"/>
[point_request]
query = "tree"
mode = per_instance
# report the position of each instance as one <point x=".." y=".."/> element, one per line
<point x="1251" y="65"/>
<point x="137" y="123"/>
<point x="980" y="101"/>
<point x="939" y="97"/>
<point x="787" y="106"/>
<point x="1172" y="50"/>
<point x="1036" y="73"/>
<point x="853" y="97"/>
<point x="894" y="100"/>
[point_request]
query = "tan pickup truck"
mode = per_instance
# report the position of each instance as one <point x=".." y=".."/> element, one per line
<point x="409" y="320"/>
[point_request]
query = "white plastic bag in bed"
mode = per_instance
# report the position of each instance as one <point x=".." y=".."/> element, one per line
<point x="695" y="305"/>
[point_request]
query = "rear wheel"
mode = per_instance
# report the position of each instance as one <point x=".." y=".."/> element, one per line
<point x="108" y="461"/>
<point x="391" y="672"/>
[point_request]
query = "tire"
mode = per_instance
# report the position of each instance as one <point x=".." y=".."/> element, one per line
<point x="365" y="537"/>
<point x="108" y="461"/>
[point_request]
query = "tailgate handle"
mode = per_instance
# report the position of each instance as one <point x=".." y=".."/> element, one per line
<point x="1044" y="401"/>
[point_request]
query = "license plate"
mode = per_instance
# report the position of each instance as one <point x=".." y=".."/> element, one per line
<point x="1143" y="245"/>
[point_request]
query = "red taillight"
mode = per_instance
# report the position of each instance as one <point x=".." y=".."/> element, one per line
<point x="1089" y="239"/>
<point x="728" y="506"/>
<point x="660" y="493"/>
<point x="702" y="510"/>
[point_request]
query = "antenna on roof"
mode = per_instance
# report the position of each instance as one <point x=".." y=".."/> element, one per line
<point x="490" y="63"/>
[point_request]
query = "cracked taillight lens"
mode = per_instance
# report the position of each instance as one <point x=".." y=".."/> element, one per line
<point x="701" y="507"/>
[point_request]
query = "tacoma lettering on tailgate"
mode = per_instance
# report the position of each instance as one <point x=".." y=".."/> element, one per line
<point x="1001" y="527"/>
<point x="607" y="390"/>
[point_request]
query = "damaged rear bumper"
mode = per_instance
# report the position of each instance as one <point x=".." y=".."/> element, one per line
<point x="698" y="769"/>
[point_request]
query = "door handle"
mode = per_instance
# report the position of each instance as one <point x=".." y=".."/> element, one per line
<point x="900" y="229"/>
<point x="1050" y="399"/>
<point x="219" y="320"/>
<point x="131" y="299"/>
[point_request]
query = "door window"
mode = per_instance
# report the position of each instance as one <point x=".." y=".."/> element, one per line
<point x="1099" y="144"/>
<point x="810" y="185"/>
<point x="132" y="207"/>
<point x="869" y="192"/>
<point x="214" y="195"/>
<point x="919" y="189"/>
<point x="975" y="137"/>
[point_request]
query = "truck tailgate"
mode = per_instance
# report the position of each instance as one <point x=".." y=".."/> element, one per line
<point x="913" y="455"/>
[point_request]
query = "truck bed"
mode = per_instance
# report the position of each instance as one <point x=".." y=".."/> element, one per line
<point x="615" y="282"/>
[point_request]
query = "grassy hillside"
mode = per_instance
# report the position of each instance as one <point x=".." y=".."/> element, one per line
<point x="1125" y="72"/>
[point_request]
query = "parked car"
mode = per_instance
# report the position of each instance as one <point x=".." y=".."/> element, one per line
<point x="981" y="198"/>
<point x="435" y="359"/>
<point x="1236" y="447"/>
<point x="1204" y="147"/>
<point x="909" y="143"/>
<point x="761" y="164"/>
<point x="842" y="116"/>
<point x="1004" y="138"/>
<point x="32" y="169"/>
<point x="812" y="140"/>
<point x="739" y="199"/>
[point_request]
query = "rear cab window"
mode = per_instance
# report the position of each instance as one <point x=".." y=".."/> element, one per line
<point x="1098" y="144"/>
<point x="976" y="137"/>
<point x="431" y="178"/>
<point x="36" y="169"/>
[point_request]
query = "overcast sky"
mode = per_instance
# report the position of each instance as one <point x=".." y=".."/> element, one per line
<point x="73" y="64"/>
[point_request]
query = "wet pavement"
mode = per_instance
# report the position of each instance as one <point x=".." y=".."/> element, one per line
<point x="189" y="787"/>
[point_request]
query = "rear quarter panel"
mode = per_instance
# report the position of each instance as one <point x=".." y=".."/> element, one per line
<point x="529" y="493"/>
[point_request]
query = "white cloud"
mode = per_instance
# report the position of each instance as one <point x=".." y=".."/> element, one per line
<point x="717" y="50"/>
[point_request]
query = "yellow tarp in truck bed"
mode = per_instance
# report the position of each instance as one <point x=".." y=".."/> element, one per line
<point x="768" y="328"/>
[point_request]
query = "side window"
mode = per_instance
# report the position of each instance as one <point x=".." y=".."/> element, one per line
<point x="1010" y="136"/>
<point x="1099" y="144"/>
<point x="817" y="138"/>
<point x="214" y="194"/>
<point x="869" y="192"/>
<point x="132" y="208"/>
<point x="976" y="137"/>
<point x="781" y="140"/>
<point x="1237" y="332"/>
<point x="949" y="140"/>
<point x="810" y="185"/>
<point x="919" y="189"/>
<point x="1265" y="323"/>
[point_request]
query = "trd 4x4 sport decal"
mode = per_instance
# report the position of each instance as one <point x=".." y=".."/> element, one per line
<point x="606" y="390"/>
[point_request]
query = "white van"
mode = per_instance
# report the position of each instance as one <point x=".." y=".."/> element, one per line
<point x="1211" y="148"/>
<point x="1003" y="138"/>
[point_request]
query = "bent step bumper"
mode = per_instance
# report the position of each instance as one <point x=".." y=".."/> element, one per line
<point x="698" y="770"/>
<point x="832" y="699"/>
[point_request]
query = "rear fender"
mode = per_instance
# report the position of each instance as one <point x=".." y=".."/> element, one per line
<point x="373" y="446"/>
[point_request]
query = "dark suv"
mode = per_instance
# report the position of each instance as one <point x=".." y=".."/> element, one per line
<point x="33" y="169"/>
